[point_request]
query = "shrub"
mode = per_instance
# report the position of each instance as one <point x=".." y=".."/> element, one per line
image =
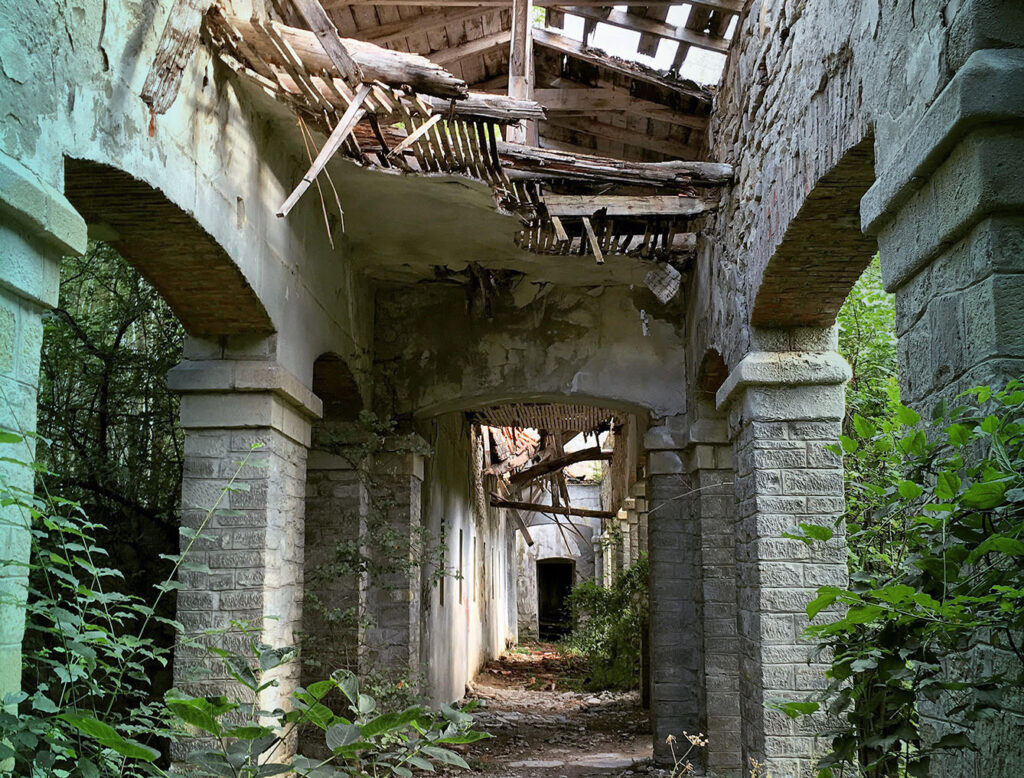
<point x="608" y="624"/>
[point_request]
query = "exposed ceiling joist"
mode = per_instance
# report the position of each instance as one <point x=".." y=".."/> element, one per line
<point x="601" y="100"/>
<point x="650" y="26"/>
<point x="472" y="48"/>
<point x="424" y="23"/>
<point x="667" y="146"/>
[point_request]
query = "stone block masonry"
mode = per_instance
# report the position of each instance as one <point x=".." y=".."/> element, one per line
<point x="784" y="409"/>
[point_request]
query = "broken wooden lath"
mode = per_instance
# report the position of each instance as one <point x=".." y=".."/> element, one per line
<point x="553" y="417"/>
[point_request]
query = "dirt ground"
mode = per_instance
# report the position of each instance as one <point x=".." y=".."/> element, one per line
<point x="544" y="726"/>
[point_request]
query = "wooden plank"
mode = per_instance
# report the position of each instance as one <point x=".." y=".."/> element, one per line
<point x="495" y="107"/>
<point x="729" y="6"/>
<point x="471" y="48"/>
<point x="594" y="454"/>
<point x="177" y="44"/>
<point x="415" y="135"/>
<point x="595" y="245"/>
<point x="395" y="68"/>
<point x="590" y="101"/>
<point x="652" y="27"/>
<point x="316" y="19"/>
<point x="627" y="205"/>
<point x="573" y="48"/>
<point x="561" y="510"/>
<point x="337" y="137"/>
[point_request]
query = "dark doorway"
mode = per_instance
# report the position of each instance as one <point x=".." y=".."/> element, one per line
<point x="554" y="582"/>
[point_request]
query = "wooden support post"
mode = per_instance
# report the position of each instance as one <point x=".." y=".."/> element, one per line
<point x="520" y="68"/>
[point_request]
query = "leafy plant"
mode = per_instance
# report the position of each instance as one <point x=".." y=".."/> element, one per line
<point x="936" y="571"/>
<point x="86" y="709"/>
<point x="607" y="625"/>
<point x="359" y="741"/>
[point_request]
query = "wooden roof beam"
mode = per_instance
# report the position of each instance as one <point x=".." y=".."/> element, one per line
<point x="471" y="48"/>
<point x="729" y="6"/>
<point x="603" y="100"/>
<point x="416" y="25"/>
<point x="652" y="27"/>
<point x="668" y="147"/>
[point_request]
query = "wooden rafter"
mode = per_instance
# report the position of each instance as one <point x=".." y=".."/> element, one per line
<point x="559" y="510"/>
<point x="652" y="27"/>
<point x="585" y="102"/>
<point x="471" y="48"/>
<point x="730" y="6"/>
<point x="394" y="32"/>
<point x="627" y="205"/>
<point x="317" y="20"/>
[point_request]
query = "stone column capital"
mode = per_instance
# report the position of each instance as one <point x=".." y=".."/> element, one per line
<point x="231" y="394"/>
<point x="820" y="375"/>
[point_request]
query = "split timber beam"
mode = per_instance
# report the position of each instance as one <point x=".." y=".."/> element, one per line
<point x="593" y="454"/>
<point x="534" y="507"/>
<point x="640" y="24"/>
<point x="528" y="163"/>
<point x="627" y="205"/>
<point x="394" y="68"/>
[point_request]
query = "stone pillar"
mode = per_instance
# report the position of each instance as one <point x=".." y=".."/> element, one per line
<point x="37" y="227"/>
<point x="708" y="460"/>
<point x="336" y="505"/>
<point x="390" y="594"/>
<point x="948" y="212"/>
<point x="253" y="544"/>
<point x="784" y="409"/>
<point x="677" y="689"/>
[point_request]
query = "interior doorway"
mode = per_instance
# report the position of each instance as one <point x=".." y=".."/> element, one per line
<point x="554" y="582"/>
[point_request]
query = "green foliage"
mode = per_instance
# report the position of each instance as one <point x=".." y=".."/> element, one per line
<point x="110" y="422"/>
<point x="607" y="625"/>
<point x="936" y="569"/>
<point x="361" y="740"/>
<point x="86" y="708"/>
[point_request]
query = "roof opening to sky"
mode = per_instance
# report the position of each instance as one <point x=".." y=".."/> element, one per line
<point x="704" y="67"/>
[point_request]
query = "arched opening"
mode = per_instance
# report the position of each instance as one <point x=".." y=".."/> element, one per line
<point x="555" y="579"/>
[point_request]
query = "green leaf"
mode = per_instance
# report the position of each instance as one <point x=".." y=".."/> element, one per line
<point x="108" y="737"/>
<point x="947" y="486"/>
<point x="907" y="416"/>
<point x="849" y="444"/>
<point x="958" y="434"/>
<point x="391" y="721"/>
<point x="365" y="704"/>
<point x="10" y="437"/>
<point x="445" y="756"/>
<point x="195" y="712"/>
<point x="827" y="595"/>
<point x="341" y="735"/>
<point x="863" y="614"/>
<point x="909" y="490"/>
<point x="864" y="427"/>
<point x="348" y="683"/>
<point x="984" y="495"/>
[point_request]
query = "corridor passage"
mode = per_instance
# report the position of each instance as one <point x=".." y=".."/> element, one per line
<point x="545" y="726"/>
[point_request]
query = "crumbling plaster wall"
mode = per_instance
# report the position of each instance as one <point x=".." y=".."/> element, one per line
<point x="538" y="343"/>
<point x="70" y="79"/>
<point x="472" y="624"/>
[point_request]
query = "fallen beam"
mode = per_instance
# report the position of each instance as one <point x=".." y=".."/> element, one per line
<point x="316" y="18"/>
<point x="627" y="205"/>
<point x="593" y="454"/>
<point x="498" y="108"/>
<point x="394" y="68"/>
<point x="586" y="513"/>
<point x="530" y="163"/>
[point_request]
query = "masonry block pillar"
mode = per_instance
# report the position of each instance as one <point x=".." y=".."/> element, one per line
<point x="252" y="544"/>
<point x="37" y="227"/>
<point x="948" y="213"/>
<point x="390" y="594"/>
<point x="676" y="647"/>
<point x="785" y="408"/>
